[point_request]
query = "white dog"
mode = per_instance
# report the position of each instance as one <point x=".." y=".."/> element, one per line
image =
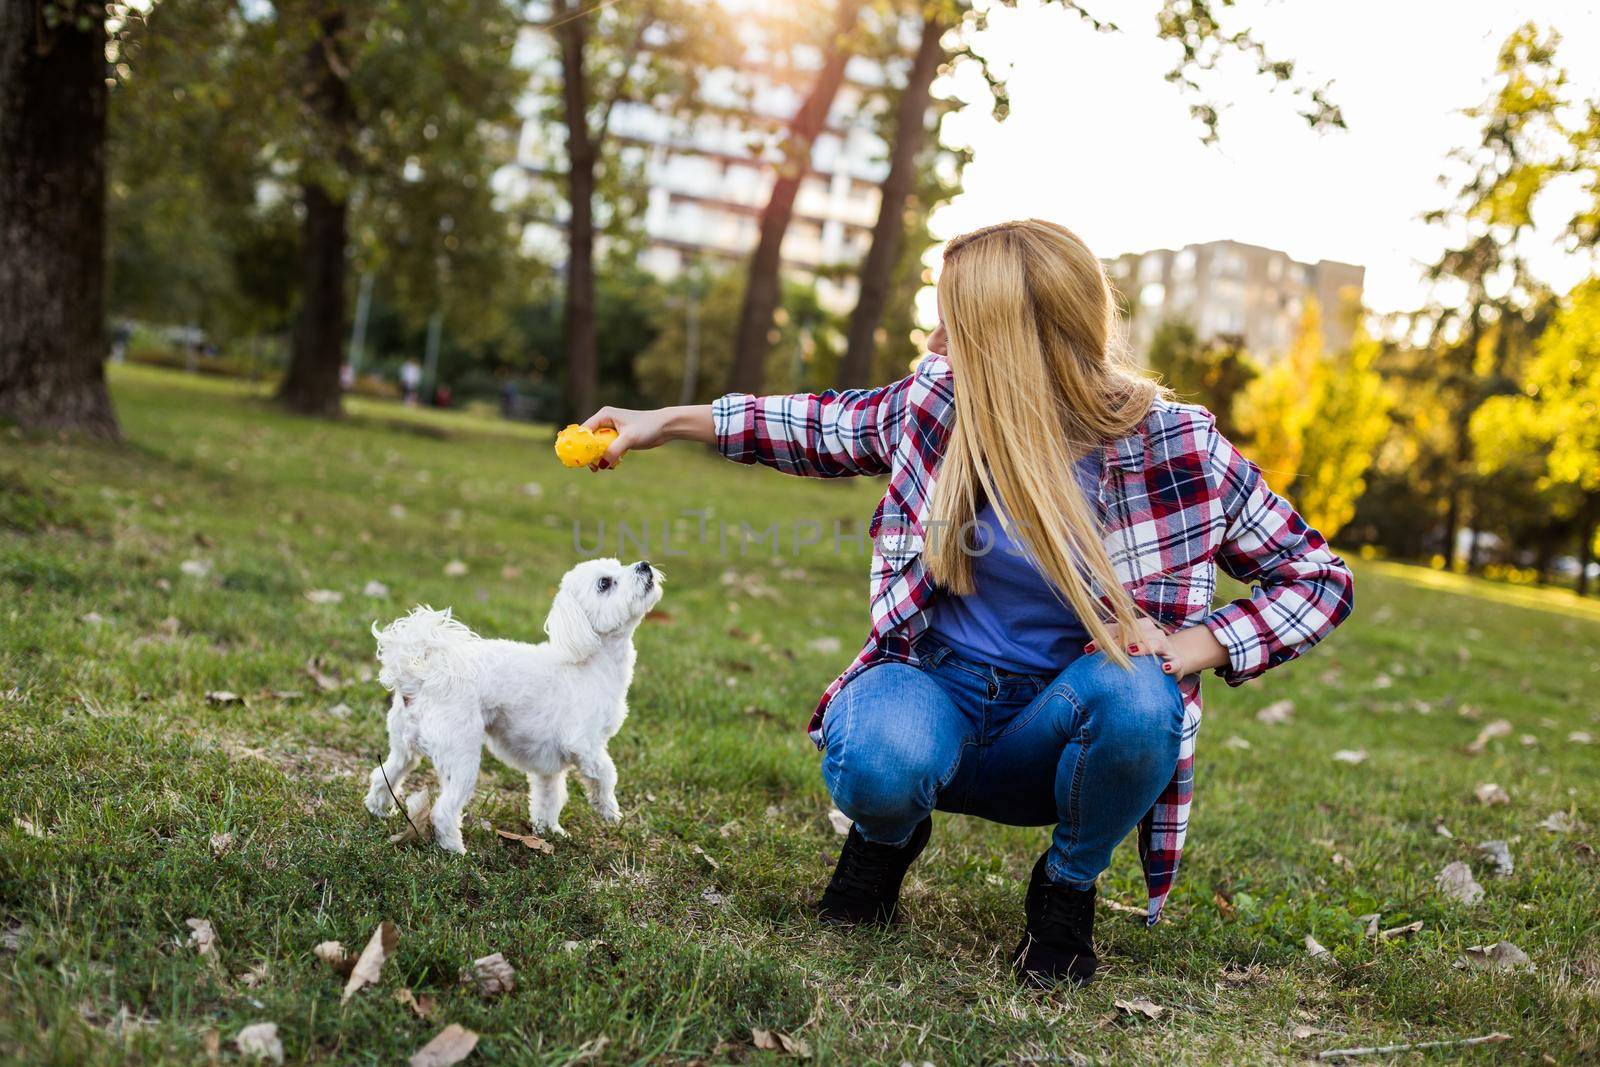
<point x="540" y="708"/>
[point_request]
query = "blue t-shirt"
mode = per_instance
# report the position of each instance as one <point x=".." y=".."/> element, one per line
<point x="1014" y="619"/>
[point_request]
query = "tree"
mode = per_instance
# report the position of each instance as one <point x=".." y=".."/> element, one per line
<point x="52" y="216"/>
<point x="1213" y="373"/>
<point x="1315" y="421"/>
<point x="1556" y="415"/>
<point x="1492" y="207"/>
<point x="763" y="290"/>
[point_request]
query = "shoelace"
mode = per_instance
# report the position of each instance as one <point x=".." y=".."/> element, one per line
<point x="1063" y="913"/>
<point x="863" y="868"/>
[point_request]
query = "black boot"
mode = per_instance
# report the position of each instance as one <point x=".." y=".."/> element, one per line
<point x="865" y="887"/>
<point x="1058" y="944"/>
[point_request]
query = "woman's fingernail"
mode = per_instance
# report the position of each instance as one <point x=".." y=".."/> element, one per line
<point x="1089" y="647"/>
<point x="1133" y="648"/>
<point x="1167" y="667"/>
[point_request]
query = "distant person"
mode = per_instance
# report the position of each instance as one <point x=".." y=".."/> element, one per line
<point x="410" y="381"/>
<point x="1042" y="577"/>
<point x="347" y="376"/>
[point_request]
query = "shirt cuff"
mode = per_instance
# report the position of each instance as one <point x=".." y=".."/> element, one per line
<point x="1238" y="628"/>
<point x="734" y="418"/>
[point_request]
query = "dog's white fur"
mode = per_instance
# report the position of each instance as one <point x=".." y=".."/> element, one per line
<point x="542" y="709"/>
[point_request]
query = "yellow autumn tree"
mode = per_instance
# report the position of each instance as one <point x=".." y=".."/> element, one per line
<point x="1315" y="421"/>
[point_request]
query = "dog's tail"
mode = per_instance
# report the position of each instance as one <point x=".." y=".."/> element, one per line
<point x="425" y="650"/>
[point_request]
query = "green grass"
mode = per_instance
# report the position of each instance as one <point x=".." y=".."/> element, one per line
<point x="111" y="751"/>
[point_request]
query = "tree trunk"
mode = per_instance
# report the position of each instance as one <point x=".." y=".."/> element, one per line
<point x="53" y="220"/>
<point x="311" y="385"/>
<point x="1586" y="525"/>
<point x="582" y="330"/>
<point x="763" y="284"/>
<point x="910" y="135"/>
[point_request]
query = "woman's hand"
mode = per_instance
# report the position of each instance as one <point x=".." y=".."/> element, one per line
<point x="1184" y="653"/>
<point x="648" y="429"/>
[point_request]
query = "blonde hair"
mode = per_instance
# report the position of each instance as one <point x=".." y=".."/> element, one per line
<point x="1030" y="319"/>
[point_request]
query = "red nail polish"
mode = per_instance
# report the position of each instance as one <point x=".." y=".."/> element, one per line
<point x="1167" y="667"/>
<point x="1133" y="648"/>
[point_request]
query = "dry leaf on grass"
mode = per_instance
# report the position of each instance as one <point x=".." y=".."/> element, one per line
<point x="222" y="696"/>
<point x="422" y="1007"/>
<point x="533" y="841"/>
<point x="1395" y="933"/>
<point x="220" y="843"/>
<point x="1318" y="951"/>
<point x="195" y="568"/>
<point x="825" y="645"/>
<point x="455" y="569"/>
<point x="1456" y="883"/>
<point x="1140" y="1006"/>
<point x="1500" y="956"/>
<point x="369" y="965"/>
<point x="325" y="681"/>
<point x="1581" y="737"/>
<point x="710" y="895"/>
<point x="839" y="821"/>
<point x="451" y="1045"/>
<point x="1499" y="853"/>
<point x="202" y="936"/>
<point x="778" y="1041"/>
<point x="1490" y="794"/>
<point x="1276" y="713"/>
<point x="492" y="975"/>
<point x="27" y="827"/>
<point x="1490" y="731"/>
<point x="260" y="1041"/>
<point x="1557" y="822"/>
<point x="375" y="589"/>
<point x="335" y="955"/>
<point x="419" y="819"/>
<point x="703" y="854"/>
<point x="1237" y="743"/>
<point x="1352" y="756"/>
<point x="1302" y="1032"/>
<point x="324" y="596"/>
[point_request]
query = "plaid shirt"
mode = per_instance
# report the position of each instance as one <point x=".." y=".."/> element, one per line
<point x="1176" y="501"/>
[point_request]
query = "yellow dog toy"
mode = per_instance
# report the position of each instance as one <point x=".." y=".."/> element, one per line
<point x="577" y="447"/>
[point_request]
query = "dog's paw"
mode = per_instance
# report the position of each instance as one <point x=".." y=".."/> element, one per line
<point x="457" y="845"/>
<point x="609" y="815"/>
<point x="553" y="829"/>
<point x="380" y="805"/>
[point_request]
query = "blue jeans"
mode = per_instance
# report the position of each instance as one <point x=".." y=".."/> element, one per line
<point x="1087" y="751"/>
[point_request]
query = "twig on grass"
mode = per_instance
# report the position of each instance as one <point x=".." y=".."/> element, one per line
<point x="1383" y="1050"/>
<point x="399" y="803"/>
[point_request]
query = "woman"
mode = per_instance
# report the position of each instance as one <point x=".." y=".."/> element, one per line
<point x="1043" y="569"/>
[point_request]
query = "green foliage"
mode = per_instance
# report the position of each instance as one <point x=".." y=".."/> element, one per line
<point x="1213" y="374"/>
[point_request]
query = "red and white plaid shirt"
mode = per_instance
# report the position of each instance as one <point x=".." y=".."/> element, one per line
<point x="1176" y="500"/>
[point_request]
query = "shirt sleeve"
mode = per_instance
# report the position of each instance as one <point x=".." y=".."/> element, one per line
<point x="819" y="435"/>
<point x="1302" y="590"/>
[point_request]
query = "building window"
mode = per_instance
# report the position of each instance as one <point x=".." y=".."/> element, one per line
<point x="1153" y="295"/>
<point x="1183" y="264"/>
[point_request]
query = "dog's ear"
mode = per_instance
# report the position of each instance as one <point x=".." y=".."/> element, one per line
<point x="569" y="628"/>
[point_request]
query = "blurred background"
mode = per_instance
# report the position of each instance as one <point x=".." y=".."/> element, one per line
<point x="1363" y="237"/>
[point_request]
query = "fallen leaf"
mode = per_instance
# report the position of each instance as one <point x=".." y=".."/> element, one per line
<point x="260" y="1041"/>
<point x="825" y="645"/>
<point x="703" y="854"/>
<point x="11" y="939"/>
<point x="1352" y="756"/>
<point x="1318" y="951"/>
<point x="1382" y="681"/>
<point x="1491" y="794"/>
<point x="1499" y="853"/>
<point x="1581" y="737"/>
<point x="195" y="568"/>
<point x="839" y="821"/>
<point x="324" y="596"/>
<point x="341" y="711"/>
<point x="1372" y="921"/>
<point x="220" y="843"/>
<point x="1395" y="933"/>
<point x="1557" y="822"/>
<point x="375" y="589"/>
<point x="369" y="965"/>
<point x="419" y="819"/>
<point x="451" y="1045"/>
<point x="202" y="936"/>
<point x="1491" y="730"/>
<point x="492" y="975"/>
<point x="538" y="844"/>
<point x="422" y="1007"/>
<point x="1528" y="741"/>
<point x="1443" y="831"/>
<point x="1237" y="743"/>
<point x="1339" y="860"/>
<point x="1500" y="956"/>
<point x="325" y="681"/>
<point x="335" y="955"/>
<point x="1224" y="905"/>
<point x="1456" y="883"/>
<point x="590" y="1049"/>
<point x="222" y="696"/>
<point x="712" y="897"/>
<point x="1302" y="1032"/>
<point x="1140" y="1006"/>
<point x="455" y="569"/>
<point x="533" y="489"/>
<point x="778" y="1041"/>
<point x="254" y="977"/>
<point x="92" y="618"/>
<point x="27" y="827"/>
<point x="1276" y="713"/>
<point x="509" y="573"/>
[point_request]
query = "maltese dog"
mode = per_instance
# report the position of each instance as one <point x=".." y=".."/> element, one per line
<point x="542" y="709"/>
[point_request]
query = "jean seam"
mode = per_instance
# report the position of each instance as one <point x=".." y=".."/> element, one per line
<point x="830" y="776"/>
<point x="1075" y="794"/>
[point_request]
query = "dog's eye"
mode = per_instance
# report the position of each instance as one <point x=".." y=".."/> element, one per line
<point x="603" y="585"/>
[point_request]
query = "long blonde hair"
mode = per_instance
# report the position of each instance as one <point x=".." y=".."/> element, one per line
<point x="1030" y="319"/>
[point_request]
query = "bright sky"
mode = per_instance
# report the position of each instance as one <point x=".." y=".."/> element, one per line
<point x="1098" y="141"/>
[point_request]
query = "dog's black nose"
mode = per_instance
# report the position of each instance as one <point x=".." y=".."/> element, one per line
<point x="643" y="566"/>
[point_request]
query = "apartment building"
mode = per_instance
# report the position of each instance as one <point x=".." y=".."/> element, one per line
<point x="1236" y="290"/>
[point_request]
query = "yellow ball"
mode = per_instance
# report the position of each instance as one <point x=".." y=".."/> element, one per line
<point x="577" y="447"/>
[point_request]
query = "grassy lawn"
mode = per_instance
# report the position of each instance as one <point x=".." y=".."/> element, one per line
<point x="676" y="933"/>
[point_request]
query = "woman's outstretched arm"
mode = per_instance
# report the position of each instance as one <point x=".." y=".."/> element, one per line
<point x="648" y="429"/>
